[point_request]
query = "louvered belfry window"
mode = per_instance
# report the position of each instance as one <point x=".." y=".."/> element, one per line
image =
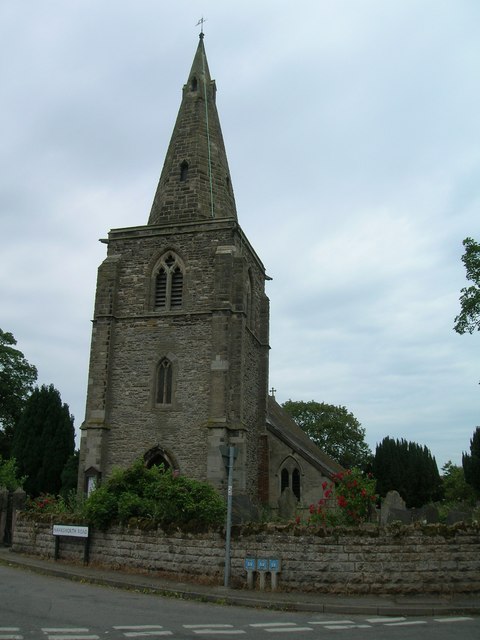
<point x="177" y="288"/>
<point x="169" y="284"/>
<point x="164" y="382"/>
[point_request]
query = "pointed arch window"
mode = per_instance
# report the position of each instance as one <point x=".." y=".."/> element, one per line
<point x="169" y="284"/>
<point x="164" y="393"/>
<point x="296" y="483"/>
<point x="290" y="477"/>
<point x="157" y="458"/>
<point x="194" y="84"/>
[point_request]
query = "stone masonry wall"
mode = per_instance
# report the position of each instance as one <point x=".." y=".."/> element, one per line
<point x="385" y="560"/>
<point x="219" y="360"/>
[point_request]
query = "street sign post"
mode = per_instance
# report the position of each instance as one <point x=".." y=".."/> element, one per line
<point x="229" y="454"/>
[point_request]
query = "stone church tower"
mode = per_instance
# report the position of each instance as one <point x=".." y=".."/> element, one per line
<point x="179" y="354"/>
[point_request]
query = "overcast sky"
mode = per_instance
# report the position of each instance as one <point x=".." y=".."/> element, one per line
<point x="352" y="131"/>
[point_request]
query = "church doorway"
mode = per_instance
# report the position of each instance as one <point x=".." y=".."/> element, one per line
<point x="158" y="457"/>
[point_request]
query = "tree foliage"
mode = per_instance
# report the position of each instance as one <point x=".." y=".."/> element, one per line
<point x="455" y="487"/>
<point x="17" y="378"/>
<point x="9" y="477"/>
<point x="43" y="440"/>
<point x="334" y="429"/>
<point x="468" y="319"/>
<point x="69" y="475"/>
<point x="408" y="468"/>
<point x="471" y="462"/>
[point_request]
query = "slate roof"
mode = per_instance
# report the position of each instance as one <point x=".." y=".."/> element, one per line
<point x="283" y="427"/>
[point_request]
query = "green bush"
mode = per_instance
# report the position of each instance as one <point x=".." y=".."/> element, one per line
<point x="101" y="508"/>
<point x="9" y="477"/>
<point x="161" y="497"/>
<point x="130" y="506"/>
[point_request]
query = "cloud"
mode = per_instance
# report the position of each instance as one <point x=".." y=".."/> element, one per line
<point x="352" y="134"/>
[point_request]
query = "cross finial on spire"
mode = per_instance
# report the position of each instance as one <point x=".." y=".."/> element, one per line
<point x="201" y="21"/>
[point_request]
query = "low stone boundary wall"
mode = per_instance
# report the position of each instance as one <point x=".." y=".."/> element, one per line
<point x="379" y="560"/>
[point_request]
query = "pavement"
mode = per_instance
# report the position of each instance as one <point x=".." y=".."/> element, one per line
<point x="376" y="605"/>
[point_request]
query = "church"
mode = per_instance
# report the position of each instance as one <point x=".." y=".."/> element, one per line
<point x="180" y="340"/>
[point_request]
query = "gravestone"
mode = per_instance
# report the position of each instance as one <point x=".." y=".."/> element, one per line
<point x="287" y="504"/>
<point x="399" y="515"/>
<point x="455" y="516"/>
<point x="427" y="514"/>
<point x="393" y="508"/>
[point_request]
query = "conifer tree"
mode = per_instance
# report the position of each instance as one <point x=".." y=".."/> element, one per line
<point x="471" y="463"/>
<point x="70" y="474"/>
<point x="43" y="441"/>
<point x="408" y="468"/>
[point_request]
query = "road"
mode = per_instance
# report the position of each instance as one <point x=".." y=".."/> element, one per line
<point x="34" y="606"/>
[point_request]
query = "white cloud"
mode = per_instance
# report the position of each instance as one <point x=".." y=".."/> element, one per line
<point x="352" y="133"/>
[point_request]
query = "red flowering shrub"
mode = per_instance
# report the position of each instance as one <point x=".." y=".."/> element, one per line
<point x="47" y="504"/>
<point x="347" y="499"/>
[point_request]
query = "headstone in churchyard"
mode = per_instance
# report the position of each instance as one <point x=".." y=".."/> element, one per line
<point x="455" y="515"/>
<point x="287" y="504"/>
<point x="399" y="515"/>
<point x="393" y="501"/>
<point x="427" y="514"/>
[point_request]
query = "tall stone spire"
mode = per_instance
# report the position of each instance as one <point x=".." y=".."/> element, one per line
<point x="195" y="181"/>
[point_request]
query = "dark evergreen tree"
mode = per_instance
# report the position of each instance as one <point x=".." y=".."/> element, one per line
<point x="69" y="475"/>
<point x="408" y="468"/>
<point x="471" y="463"/>
<point x="43" y="441"/>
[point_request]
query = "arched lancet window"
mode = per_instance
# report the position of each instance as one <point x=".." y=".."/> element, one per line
<point x="290" y="477"/>
<point x="193" y="84"/>
<point x="169" y="284"/>
<point x="296" y="483"/>
<point x="184" y="171"/>
<point x="164" y="393"/>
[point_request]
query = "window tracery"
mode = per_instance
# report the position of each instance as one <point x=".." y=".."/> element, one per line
<point x="169" y="284"/>
<point x="164" y="392"/>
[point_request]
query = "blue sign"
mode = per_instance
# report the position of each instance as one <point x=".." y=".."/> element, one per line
<point x="250" y="564"/>
<point x="262" y="564"/>
<point x="273" y="564"/>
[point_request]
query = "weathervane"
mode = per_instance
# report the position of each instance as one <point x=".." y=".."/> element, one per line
<point x="201" y="21"/>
